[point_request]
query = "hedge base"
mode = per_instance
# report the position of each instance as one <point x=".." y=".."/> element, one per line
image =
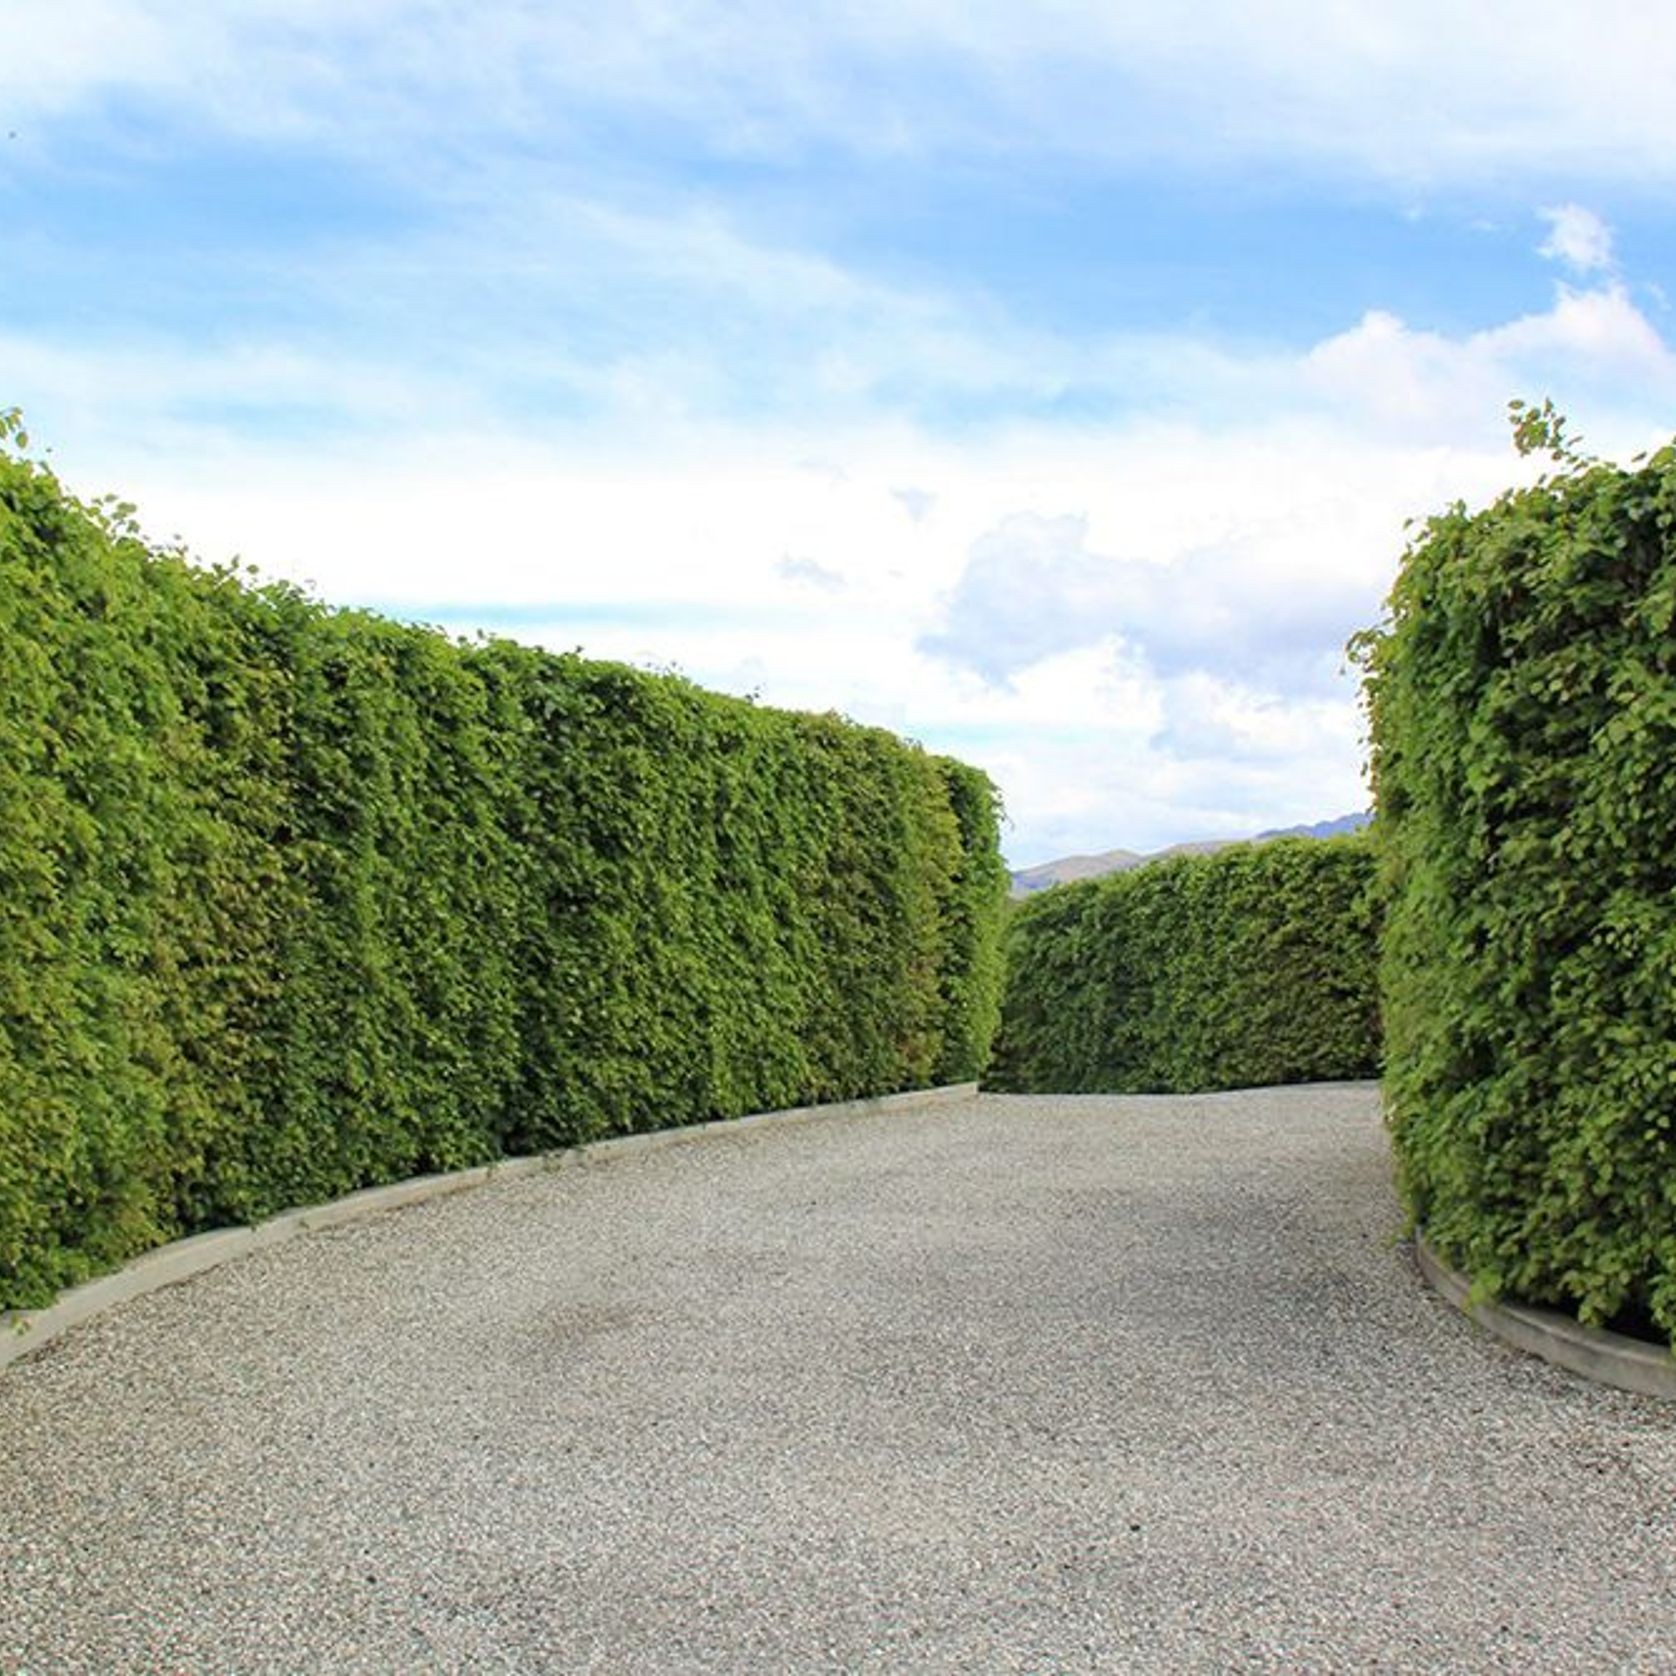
<point x="1608" y="1358"/>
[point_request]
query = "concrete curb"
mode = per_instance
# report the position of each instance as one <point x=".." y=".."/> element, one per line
<point x="1627" y="1364"/>
<point x="24" y="1331"/>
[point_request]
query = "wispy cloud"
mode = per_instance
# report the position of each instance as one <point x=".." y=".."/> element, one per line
<point x="1406" y="88"/>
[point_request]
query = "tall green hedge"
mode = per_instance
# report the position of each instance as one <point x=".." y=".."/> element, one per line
<point x="1249" y="966"/>
<point x="295" y="900"/>
<point x="1522" y="698"/>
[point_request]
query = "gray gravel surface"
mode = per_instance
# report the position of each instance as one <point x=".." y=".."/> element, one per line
<point x="1024" y="1384"/>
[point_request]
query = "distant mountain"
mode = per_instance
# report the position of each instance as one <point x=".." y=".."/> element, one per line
<point x="1321" y="829"/>
<point x="1028" y="880"/>
<point x="1071" y="867"/>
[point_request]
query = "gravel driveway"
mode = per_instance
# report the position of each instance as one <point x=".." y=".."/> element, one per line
<point x="1021" y="1384"/>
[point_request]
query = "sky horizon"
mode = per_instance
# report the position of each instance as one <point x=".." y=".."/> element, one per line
<point x="1050" y="385"/>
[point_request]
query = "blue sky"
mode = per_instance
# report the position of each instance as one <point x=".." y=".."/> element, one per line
<point x="1048" y="383"/>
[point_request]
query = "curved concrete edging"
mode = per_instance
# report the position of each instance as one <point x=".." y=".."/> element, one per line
<point x="24" y="1331"/>
<point x="1629" y="1364"/>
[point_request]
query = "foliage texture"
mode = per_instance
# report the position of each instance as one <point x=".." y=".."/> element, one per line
<point x="1522" y="697"/>
<point x="1253" y="965"/>
<point x="295" y="900"/>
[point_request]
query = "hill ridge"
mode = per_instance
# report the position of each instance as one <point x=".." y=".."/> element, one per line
<point x="1026" y="881"/>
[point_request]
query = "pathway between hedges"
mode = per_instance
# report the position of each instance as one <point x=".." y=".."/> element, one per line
<point x="1025" y="1384"/>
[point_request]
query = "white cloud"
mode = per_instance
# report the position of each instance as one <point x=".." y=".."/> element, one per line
<point x="1280" y="547"/>
<point x="1408" y="88"/>
<point x="1208" y="717"/>
<point x="1578" y="238"/>
<point x="1593" y="347"/>
<point x="1599" y="332"/>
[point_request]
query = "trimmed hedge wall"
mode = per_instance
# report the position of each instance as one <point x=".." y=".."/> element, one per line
<point x="294" y="900"/>
<point x="1252" y="965"/>
<point x="1522" y="696"/>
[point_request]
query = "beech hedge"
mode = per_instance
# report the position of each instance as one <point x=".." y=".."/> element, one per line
<point x="297" y="900"/>
<point x="1252" y="965"/>
<point x="1522" y="697"/>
